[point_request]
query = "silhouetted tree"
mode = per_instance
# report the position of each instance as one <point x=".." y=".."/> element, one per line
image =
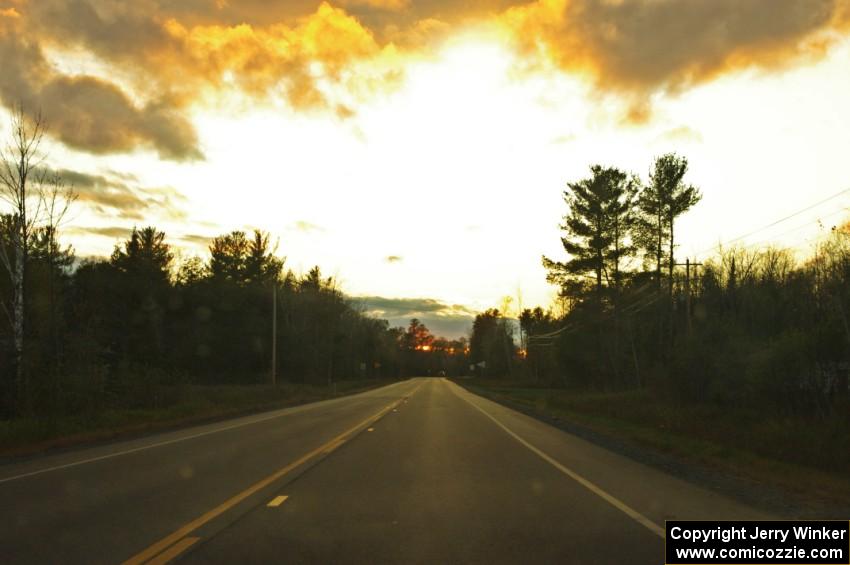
<point x="661" y="202"/>
<point x="596" y="229"/>
<point x="228" y="257"/>
<point x="492" y="342"/>
<point x="36" y="200"/>
<point x="143" y="264"/>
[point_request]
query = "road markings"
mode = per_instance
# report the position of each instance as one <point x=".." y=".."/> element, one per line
<point x="286" y="412"/>
<point x="187" y="529"/>
<point x="277" y="501"/>
<point x="173" y="551"/>
<point x="595" y="489"/>
<point x="332" y="445"/>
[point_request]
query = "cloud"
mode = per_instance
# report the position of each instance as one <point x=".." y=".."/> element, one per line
<point x="563" y="139"/>
<point x="109" y="194"/>
<point x="639" y="46"/>
<point x="681" y="134"/>
<point x="159" y="59"/>
<point x="115" y="232"/>
<point x="344" y="112"/>
<point x="411" y="307"/>
<point x="201" y="46"/>
<point x="448" y="320"/>
<point x="85" y="112"/>
<point x="202" y="240"/>
<point x="123" y="232"/>
<point x="167" y="199"/>
<point x="103" y="192"/>
<point x="168" y="56"/>
<point x="391" y="5"/>
<point x="393" y="259"/>
<point x="96" y="116"/>
<point x="306" y="227"/>
<point x="450" y="328"/>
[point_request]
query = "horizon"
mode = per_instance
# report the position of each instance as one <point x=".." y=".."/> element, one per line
<point x="424" y="281"/>
<point x="370" y="138"/>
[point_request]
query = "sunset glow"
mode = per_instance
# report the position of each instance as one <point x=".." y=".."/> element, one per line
<point x="420" y="153"/>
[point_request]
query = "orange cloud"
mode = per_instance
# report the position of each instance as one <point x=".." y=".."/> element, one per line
<point x="273" y="58"/>
<point x="645" y="45"/>
<point x="330" y="55"/>
<point x="391" y="5"/>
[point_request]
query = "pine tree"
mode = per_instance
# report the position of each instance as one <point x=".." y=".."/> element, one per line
<point x="596" y="230"/>
<point x="665" y="199"/>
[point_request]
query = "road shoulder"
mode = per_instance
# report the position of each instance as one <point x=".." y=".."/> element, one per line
<point x="805" y="502"/>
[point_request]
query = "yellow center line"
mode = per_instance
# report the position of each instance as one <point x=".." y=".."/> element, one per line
<point x="187" y="529"/>
<point x="173" y="551"/>
<point x="277" y="501"/>
<point x="592" y="487"/>
<point x="275" y="414"/>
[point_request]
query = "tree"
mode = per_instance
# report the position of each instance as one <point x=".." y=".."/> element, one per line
<point x="191" y="271"/>
<point x="492" y="342"/>
<point x="58" y="198"/>
<point x="237" y="259"/>
<point x="37" y="200"/>
<point x="145" y="256"/>
<point x="597" y="227"/>
<point x="261" y="266"/>
<point x="416" y="343"/>
<point x="228" y="254"/>
<point x="417" y="336"/>
<point x="143" y="264"/>
<point x="665" y="199"/>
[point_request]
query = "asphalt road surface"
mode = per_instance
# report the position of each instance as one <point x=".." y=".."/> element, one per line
<point x="420" y="471"/>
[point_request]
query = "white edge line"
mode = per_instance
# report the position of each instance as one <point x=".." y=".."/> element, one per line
<point x="285" y="412"/>
<point x="613" y="501"/>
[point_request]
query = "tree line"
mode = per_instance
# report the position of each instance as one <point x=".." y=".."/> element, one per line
<point x="753" y="327"/>
<point x="82" y="336"/>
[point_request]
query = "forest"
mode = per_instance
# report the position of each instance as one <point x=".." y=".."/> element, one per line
<point x="748" y="347"/>
<point x="82" y="336"/>
<point x="753" y="327"/>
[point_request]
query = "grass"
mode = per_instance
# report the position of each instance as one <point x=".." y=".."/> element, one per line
<point x="808" y="459"/>
<point x="193" y="405"/>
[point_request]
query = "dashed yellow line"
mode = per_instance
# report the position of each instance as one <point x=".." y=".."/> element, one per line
<point x="180" y="535"/>
<point x="277" y="501"/>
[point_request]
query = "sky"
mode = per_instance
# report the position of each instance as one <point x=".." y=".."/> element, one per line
<point x="418" y="150"/>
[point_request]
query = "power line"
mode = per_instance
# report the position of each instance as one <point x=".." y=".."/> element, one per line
<point x="636" y="306"/>
<point x="779" y="221"/>
<point x="798" y="228"/>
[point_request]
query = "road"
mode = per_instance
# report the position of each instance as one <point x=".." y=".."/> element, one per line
<point x="420" y="471"/>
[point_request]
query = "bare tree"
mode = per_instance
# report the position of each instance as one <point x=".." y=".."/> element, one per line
<point x="57" y="197"/>
<point x="37" y="199"/>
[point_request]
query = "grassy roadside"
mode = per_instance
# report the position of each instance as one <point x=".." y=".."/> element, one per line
<point x="196" y="404"/>
<point x="804" y="463"/>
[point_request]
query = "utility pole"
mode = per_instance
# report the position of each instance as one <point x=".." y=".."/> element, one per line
<point x="687" y="264"/>
<point x="274" y="333"/>
<point x="688" y="293"/>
